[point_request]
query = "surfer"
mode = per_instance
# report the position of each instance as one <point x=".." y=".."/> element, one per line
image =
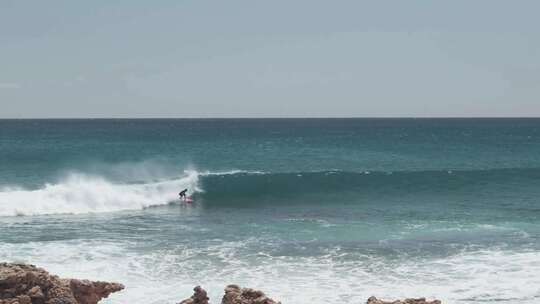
<point x="182" y="194"/>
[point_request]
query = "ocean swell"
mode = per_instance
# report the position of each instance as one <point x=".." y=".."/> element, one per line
<point x="84" y="193"/>
<point x="335" y="184"/>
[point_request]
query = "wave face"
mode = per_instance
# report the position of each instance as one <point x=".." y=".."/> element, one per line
<point x="84" y="193"/>
<point x="258" y="187"/>
<point x="80" y="193"/>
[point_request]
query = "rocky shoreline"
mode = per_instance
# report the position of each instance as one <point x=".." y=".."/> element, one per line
<point x="234" y="294"/>
<point x="28" y="284"/>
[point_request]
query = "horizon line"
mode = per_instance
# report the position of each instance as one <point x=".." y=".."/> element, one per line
<point x="273" y="117"/>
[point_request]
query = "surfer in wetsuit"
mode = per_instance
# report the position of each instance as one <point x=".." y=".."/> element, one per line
<point x="183" y="194"/>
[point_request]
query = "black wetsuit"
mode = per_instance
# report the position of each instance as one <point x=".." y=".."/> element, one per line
<point x="183" y="193"/>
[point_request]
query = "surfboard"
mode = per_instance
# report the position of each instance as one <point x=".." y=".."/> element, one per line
<point x="189" y="200"/>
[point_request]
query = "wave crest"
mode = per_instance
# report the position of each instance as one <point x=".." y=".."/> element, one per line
<point x="84" y="193"/>
<point x="81" y="193"/>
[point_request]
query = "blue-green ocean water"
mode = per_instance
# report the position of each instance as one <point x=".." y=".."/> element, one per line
<point x="309" y="210"/>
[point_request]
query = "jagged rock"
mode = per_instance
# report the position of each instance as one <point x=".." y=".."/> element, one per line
<point x="374" y="300"/>
<point x="28" y="284"/>
<point x="199" y="297"/>
<point x="236" y="295"/>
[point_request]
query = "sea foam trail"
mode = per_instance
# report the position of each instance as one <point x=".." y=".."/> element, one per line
<point x="80" y="193"/>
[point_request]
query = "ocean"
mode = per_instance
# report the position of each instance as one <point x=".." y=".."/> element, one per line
<point x="307" y="210"/>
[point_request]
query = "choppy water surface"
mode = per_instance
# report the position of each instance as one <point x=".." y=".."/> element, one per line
<point x="310" y="211"/>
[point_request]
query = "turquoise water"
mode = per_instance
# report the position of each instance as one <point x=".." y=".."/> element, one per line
<point x="310" y="210"/>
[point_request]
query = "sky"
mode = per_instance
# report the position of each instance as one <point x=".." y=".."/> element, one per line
<point x="304" y="58"/>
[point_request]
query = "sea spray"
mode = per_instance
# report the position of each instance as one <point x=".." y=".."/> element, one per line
<point x="82" y="193"/>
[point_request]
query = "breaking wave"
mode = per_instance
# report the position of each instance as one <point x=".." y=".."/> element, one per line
<point x="81" y="193"/>
<point x="84" y="193"/>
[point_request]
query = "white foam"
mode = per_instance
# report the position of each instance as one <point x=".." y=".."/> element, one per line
<point x="88" y="193"/>
<point x="168" y="275"/>
<point x="82" y="193"/>
<point x="231" y="172"/>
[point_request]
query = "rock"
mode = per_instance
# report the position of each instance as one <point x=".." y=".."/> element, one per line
<point x="28" y="284"/>
<point x="24" y="299"/>
<point x="199" y="297"/>
<point x="36" y="294"/>
<point x="236" y="295"/>
<point x="374" y="300"/>
<point x="88" y="292"/>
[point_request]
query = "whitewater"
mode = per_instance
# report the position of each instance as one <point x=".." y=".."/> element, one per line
<point x="81" y="193"/>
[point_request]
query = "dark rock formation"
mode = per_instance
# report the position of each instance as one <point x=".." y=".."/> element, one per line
<point x="236" y="295"/>
<point x="199" y="297"/>
<point x="374" y="300"/>
<point x="28" y="284"/>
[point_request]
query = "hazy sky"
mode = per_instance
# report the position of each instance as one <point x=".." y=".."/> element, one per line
<point x="269" y="58"/>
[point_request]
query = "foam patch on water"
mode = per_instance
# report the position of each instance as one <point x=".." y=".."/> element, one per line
<point x="231" y="172"/>
<point x="168" y="275"/>
<point x="82" y="193"/>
